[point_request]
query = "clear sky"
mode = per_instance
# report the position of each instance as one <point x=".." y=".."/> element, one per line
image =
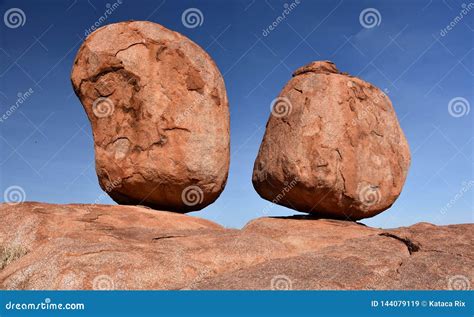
<point x="407" y="49"/>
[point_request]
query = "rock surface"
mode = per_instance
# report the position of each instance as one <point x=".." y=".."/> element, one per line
<point x="159" y="114"/>
<point x="332" y="147"/>
<point x="47" y="246"/>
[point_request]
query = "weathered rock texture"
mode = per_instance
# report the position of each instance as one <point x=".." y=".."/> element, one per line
<point x="48" y="246"/>
<point x="332" y="147"/>
<point x="159" y="114"/>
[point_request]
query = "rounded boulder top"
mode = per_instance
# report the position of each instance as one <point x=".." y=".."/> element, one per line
<point x="159" y="112"/>
<point x="333" y="146"/>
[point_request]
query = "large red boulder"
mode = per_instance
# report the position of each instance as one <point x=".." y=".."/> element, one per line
<point x="333" y="146"/>
<point x="159" y="114"/>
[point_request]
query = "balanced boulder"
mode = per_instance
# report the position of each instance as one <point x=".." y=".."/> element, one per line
<point x="159" y="114"/>
<point x="333" y="146"/>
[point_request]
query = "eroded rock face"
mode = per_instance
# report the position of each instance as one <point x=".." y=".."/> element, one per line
<point x="47" y="246"/>
<point x="159" y="114"/>
<point x="333" y="147"/>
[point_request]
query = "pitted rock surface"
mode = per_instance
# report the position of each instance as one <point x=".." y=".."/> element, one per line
<point x="159" y="114"/>
<point x="333" y="146"/>
<point x="47" y="246"/>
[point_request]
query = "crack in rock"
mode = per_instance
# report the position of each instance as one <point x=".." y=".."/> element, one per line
<point x="166" y="237"/>
<point x="411" y="246"/>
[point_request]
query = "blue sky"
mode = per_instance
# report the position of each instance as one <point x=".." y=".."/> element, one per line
<point x="46" y="147"/>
